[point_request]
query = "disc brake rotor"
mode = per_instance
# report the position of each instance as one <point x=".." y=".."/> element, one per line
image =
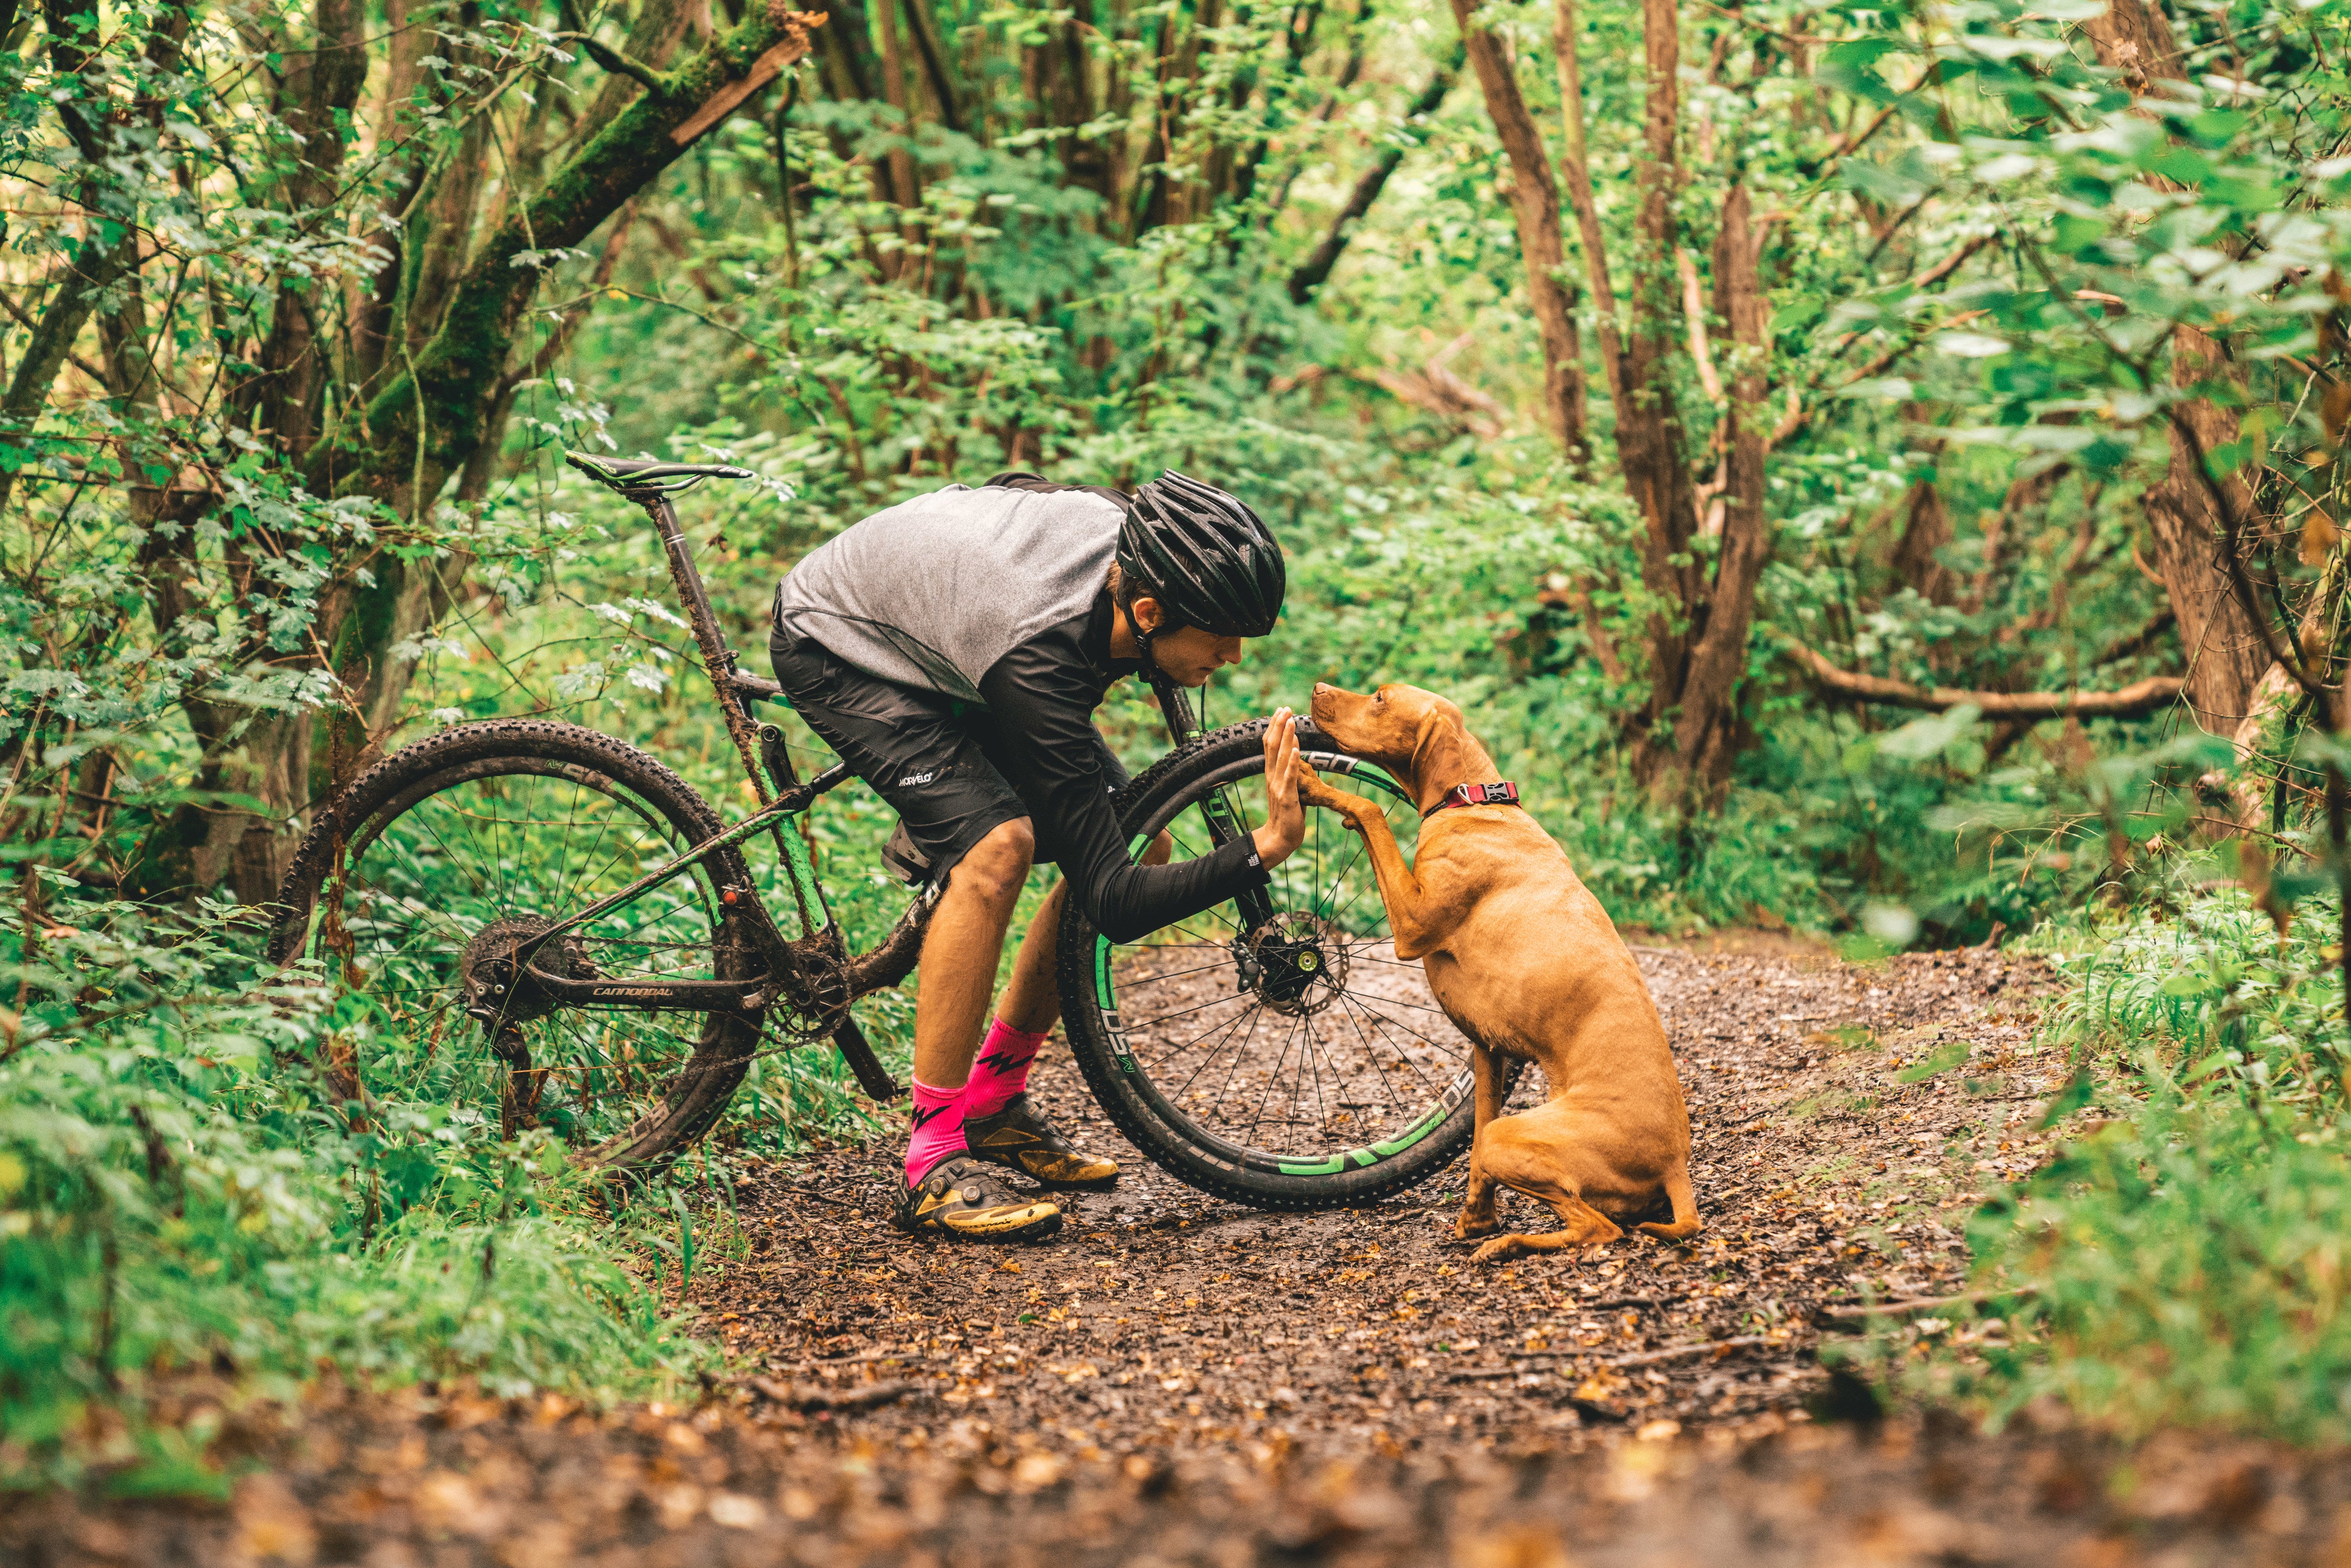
<point x="1296" y="962"/>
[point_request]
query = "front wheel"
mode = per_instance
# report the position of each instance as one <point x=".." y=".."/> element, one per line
<point x="1279" y="1055"/>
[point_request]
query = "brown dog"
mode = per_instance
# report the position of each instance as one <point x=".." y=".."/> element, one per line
<point x="1525" y="962"/>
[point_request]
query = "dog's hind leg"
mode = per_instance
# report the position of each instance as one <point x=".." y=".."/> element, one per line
<point x="1523" y="1153"/>
<point x="1686" y="1223"/>
<point x="1581" y="1224"/>
<point x="1477" y="1204"/>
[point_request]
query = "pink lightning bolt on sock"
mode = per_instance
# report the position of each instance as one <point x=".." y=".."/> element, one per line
<point x="1002" y="1070"/>
<point x="937" y="1129"/>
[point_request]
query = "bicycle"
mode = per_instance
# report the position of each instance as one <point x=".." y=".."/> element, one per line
<point x="596" y="935"/>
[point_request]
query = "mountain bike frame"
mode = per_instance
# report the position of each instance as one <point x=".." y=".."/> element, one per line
<point x="761" y="749"/>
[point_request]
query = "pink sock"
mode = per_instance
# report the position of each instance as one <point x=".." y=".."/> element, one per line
<point x="937" y="1131"/>
<point x="1002" y="1070"/>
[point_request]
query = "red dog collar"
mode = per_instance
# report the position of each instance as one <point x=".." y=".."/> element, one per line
<point x="1504" y="794"/>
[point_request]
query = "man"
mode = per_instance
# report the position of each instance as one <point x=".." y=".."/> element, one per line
<point x="952" y="650"/>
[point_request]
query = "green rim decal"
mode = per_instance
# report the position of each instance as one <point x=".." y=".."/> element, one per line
<point x="1406" y="1139"/>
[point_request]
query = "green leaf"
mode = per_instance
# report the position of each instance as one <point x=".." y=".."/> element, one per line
<point x="1861" y="51"/>
<point x="1943" y="1061"/>
<point x="1879" y="182"/>
<point x="2070" y="1099"/>
<point x="2217" y="127"/>
<point x="2076" y="234"/>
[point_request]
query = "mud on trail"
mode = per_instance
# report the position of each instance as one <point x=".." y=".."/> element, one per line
<point x="1176" y="1379"/>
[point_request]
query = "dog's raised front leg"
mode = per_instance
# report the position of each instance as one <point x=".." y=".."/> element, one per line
<point x="1477" y="1204"/>
<point x="1418" y="926"/>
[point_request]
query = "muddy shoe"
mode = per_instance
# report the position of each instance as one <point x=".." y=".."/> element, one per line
<point x="1025" y="1138"/>
<point x="961" y="1200"/>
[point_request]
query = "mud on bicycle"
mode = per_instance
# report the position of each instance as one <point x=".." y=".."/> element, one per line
<point x="536" y="906"/>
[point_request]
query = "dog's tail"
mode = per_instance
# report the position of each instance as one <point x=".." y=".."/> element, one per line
<point x="1684" y="1198"/>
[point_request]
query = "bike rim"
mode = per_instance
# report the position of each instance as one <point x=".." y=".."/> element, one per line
<point x="427" y="883"/>
<point x="1340" y="1065"/>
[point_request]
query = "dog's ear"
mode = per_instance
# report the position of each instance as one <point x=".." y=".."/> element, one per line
<point x="1436" y="756"/>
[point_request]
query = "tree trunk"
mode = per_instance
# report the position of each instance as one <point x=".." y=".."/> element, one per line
<point x="906" y="190"/>
<point x="1566" y="37"/>
<point x="319" y="95"/>
<point x="437" y="407"/>
<point x="1534" y="201"/>
<point x="1706" y="727"/>
<point x="2226" y="655"/>
<point x="1648" y="424"/>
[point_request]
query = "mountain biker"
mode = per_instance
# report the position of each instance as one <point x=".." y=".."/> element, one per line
<point x="952" y="650"/>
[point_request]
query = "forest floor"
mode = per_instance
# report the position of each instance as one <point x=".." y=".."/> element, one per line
<point x="1178" y="1380"/>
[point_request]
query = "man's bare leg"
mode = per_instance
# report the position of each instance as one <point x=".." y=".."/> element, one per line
<point x="948" y="1192"/>
<point x="961" y="950"/>
<point x="1000" y="1123"/>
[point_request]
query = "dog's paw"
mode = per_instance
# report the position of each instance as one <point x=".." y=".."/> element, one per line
<point x="1499" y="1248"/>
<point x="1315" y="791"/>
<point x="1468" y="1229"/>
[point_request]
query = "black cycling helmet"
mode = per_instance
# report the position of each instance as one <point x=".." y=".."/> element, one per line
<point x="1208" y="559"/>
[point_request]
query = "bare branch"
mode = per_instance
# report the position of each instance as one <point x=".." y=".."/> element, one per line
<point x="2133" y="701"/>
<point x="619" y="64"/>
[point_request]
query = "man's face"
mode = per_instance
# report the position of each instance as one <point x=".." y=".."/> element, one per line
<point x="1187" y="655"/>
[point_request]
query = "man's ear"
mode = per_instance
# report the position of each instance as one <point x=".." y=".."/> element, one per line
<point x="1435" y="749"/>
<point x="1146" y="614"/>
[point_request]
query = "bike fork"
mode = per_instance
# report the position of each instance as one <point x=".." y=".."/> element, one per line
<point x="1224" y="821"/>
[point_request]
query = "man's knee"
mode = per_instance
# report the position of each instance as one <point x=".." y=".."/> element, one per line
<point x="995" y="867"/>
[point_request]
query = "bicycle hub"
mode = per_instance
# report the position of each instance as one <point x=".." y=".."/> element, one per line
<point x="1296" y="962"/>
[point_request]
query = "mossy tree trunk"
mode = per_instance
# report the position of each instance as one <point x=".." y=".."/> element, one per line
<point x="432" y="390"/>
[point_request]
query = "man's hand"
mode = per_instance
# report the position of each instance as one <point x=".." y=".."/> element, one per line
<point x="1285" y="815"/>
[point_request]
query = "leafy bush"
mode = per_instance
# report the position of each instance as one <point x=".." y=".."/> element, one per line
<point x="2184" y="1263"/>
<point x="2190" y="1267"/>
<point x="177" y="1195"/>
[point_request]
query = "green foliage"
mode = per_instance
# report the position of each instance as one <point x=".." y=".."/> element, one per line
<point x="2181" y="1263"/>
<point x="178" y="1199"/>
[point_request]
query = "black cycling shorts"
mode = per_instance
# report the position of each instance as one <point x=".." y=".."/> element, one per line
<point x="932" y="758"/>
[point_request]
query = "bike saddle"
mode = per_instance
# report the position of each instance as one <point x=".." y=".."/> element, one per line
<point x="641" y="476"/>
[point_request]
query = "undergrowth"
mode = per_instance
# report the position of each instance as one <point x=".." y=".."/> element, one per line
<point x="179" y="1200"/>
<point x="2182" y="1262"/>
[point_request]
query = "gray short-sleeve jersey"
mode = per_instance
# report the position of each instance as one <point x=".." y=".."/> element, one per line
<point x="932" y="591"/>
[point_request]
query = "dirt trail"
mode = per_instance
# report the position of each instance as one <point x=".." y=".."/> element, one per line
<point x="1179" y="1380"/>
<point x="1163" y="1317"/>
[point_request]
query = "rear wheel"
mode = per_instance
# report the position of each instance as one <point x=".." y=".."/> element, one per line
<point x="419" y="884"/>
<point x="1282" y="1055"/>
